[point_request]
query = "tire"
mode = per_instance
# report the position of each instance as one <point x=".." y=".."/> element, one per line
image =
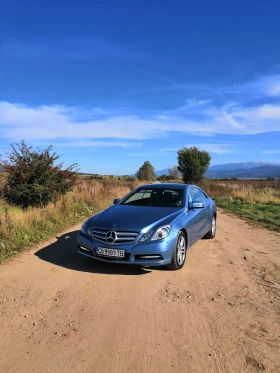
<point x="212" y="232"/>
<point x="179" y="252"/>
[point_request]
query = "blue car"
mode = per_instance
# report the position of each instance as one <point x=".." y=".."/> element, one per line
<point x="154" y="225"/>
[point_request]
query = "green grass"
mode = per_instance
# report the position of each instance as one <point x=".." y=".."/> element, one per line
<point x="267" y="214"/>
<point x="23" y="228"/>
<point x="19" y="237"/>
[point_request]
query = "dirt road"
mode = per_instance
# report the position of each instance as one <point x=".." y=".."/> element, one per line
<point x="220" y="313"/>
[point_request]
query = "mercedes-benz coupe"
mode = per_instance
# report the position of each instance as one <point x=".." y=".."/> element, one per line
<point x="154" y="225"/>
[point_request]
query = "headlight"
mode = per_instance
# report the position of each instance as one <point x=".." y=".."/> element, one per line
<point x="86" y="228"/>
<point x="89" y="230"/>
<point x="161" y="233"/>
<point x="146" y="236"/>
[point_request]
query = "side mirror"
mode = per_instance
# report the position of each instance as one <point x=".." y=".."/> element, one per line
<point x="116" y="201"/>
<point x="196" y="205"/>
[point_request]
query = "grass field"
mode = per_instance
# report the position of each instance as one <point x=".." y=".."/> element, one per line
<point x="20" y="228"/>
<point x="255" y="200"/>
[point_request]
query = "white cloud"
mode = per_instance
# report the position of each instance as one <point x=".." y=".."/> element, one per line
<point x="271" y="85"/>
<point x="98" y="144"/>
<point x="215" y="148"/>
<point x="271" y="151"/>
<point x="212" y="148"/>
<point x="274" y="89"/>
<point x="18" y="121"/>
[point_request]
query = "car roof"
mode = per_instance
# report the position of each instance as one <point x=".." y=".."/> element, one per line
<point x="164" y="185"/>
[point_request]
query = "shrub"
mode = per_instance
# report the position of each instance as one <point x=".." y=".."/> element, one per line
<point x="193" y="163"/>
<point x="146" y="172"/>
<point x="174" y="173"/>
<point x="33" y="178"/>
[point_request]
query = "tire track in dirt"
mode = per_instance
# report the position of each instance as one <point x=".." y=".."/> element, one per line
<point x="220" y="313"/>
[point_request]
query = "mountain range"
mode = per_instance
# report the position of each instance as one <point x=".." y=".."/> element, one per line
<point x="249" y="173"/>
<point x="252" y="169"/>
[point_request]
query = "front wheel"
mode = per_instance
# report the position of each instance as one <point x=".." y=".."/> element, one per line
<point x="179" y="252"/>
<point x="212" y="232"/>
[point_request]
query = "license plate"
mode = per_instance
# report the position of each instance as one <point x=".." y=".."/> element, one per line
<point x="110" y="252"/>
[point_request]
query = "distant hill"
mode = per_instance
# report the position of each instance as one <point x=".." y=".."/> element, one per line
<point x="158" y="173"/>
<point x="241" y="165"/>
<point x="162" y="172"/>
<point x="252" y="169"/>
<point x="254" y="173"/>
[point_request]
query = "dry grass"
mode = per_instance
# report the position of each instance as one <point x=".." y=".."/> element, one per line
<point x="256" y="200"/>
<point x="21" y="228"/>
<point x="253" y="191"/>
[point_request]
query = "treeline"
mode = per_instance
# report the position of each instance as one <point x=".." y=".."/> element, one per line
<point x="192" y="165"/>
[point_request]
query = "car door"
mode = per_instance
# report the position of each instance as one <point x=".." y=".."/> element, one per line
<point x="198" y="217"/>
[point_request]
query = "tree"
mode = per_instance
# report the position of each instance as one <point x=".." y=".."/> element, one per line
<point x="174" y="173"/>
<point x="193" y="163"/>
<point x="146" y="172"/>
<point x="164" y="177"/>
<point x="2" y="178"/>
<point x="33" y="178"/>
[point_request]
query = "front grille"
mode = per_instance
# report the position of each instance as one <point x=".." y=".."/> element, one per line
<point x="121" y="236"/>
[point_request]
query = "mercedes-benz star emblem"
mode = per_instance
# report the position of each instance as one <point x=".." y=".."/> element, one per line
<point x="111" y="236"/>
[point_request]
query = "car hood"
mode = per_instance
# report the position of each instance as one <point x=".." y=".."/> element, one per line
<point x="135" y="218"/>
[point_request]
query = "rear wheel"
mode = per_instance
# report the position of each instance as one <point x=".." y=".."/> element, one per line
<point x="212" y="232"/>
<point x="179" y="252"/>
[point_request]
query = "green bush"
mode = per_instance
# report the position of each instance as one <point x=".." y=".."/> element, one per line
<point x="193" y="163"/>
<point x="146" y="172"/>
<point x="33" y="178"/>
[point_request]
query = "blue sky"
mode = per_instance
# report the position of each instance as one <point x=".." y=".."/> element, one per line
<point x="111" y="84"/>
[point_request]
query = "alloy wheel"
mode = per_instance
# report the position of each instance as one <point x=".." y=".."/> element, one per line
<point x="213" y="226"/>
<point x="181" y="250"/>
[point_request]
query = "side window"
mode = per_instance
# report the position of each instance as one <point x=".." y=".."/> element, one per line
<point x="196" y="195"/>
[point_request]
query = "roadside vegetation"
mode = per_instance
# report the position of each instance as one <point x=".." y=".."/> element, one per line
<point x="21" y="228"/>
<point x="256" y="200"/>
<point x="35" y="178"/>
<point x="39" y="199"/>
<point x="192" y="164"/>
<point x="146" y="172"/>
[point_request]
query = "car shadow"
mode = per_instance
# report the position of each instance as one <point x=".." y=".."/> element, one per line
<point x="64" y="253"/>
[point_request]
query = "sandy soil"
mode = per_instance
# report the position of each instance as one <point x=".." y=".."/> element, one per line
<point x="220" y="313"/>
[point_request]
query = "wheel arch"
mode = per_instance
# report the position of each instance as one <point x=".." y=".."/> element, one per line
<point x="186" y="235"/>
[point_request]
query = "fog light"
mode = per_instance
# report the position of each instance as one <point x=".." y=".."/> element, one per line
<point x="83" y="248"/>
<point x="148" y="256"/>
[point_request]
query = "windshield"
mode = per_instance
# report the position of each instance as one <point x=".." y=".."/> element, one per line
<point x="155" y="197"/>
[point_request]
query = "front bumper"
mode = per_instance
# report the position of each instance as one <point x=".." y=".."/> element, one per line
<point x="133" y="251"/>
